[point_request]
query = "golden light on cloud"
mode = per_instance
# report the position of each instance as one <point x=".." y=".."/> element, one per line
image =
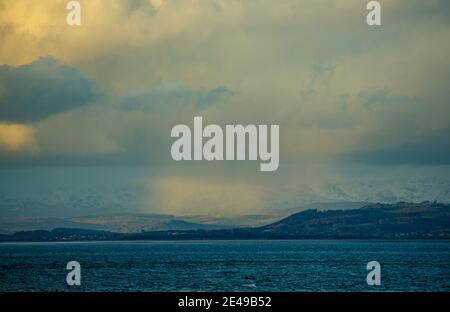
<point x="17" y="137"/>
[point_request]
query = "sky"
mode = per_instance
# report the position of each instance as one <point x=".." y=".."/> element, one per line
<point x="86" y="111"/>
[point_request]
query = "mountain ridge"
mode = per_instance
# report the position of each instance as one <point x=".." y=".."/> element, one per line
<point x="402" y="220"/>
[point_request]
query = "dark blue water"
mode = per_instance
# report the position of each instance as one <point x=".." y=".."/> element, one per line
<point x="226" y="266"/>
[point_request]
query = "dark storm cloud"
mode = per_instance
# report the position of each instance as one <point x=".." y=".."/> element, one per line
<point x="436" y="151"/>
<point x="45" y="87"/>
<point x="409" y="130"/>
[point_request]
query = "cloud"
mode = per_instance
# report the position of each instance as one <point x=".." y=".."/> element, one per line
<point x="172" y="98"/>
<point x="433" y="152"/>
<point x="36" y="91"/>
<point x="349" y="96"/>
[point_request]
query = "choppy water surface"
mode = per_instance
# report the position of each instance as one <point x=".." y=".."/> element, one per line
<point x="226" y="266"/>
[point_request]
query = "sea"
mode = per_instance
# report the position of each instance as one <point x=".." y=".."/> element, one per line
<point x="147" y="266"/>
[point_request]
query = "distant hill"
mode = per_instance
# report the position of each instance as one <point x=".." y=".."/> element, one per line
<point x="120" y="223"/>
<point x="62" y="234"/>
<point x="138" y="222"/>
<point x="341" y="205"/>
<point x="400" y="220"/>
<point x="426" y="220"/>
